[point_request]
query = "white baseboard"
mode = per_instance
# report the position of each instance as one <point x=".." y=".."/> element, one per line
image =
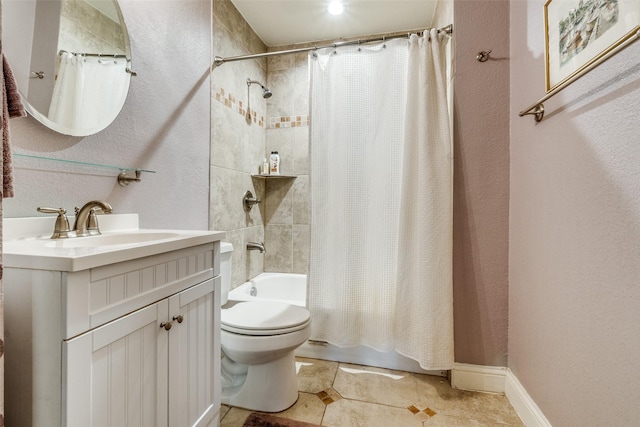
<point x="499" y="380"/>
<point x="524" y="405"/>
<point x="478" y="378"/>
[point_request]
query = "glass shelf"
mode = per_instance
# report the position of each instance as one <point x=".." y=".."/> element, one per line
<point x="75" y="162"/>
<point x="273" y="176"/>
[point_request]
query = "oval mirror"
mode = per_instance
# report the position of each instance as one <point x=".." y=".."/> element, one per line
<point x="70" y="59"/>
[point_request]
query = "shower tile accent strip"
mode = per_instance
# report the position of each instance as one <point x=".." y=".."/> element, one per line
<point x="275" y="122"/>
<point x="288" y="122"/>
<point x="238" y="106"/>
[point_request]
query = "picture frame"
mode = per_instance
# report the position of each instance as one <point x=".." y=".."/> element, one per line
<point x="579" y="32"/>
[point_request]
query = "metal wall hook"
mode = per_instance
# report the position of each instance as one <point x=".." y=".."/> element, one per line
<point x="483" y="56"/>
<point x="38" y="74"/>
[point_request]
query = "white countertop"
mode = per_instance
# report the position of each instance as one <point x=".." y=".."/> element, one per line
<point x="27" y="243"/>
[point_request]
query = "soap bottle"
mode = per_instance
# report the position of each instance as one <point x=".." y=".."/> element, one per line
<point x="265" y="167"/>
<point x="275" y="163"/>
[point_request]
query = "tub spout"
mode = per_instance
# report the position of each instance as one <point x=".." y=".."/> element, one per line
<point x="254" y="246"/>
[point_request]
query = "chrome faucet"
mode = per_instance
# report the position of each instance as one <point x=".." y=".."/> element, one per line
<point x="254" y="246"/>
<point x="86" y="223"/>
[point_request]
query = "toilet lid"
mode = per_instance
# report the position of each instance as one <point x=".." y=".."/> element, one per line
<point x="264" y="318"/>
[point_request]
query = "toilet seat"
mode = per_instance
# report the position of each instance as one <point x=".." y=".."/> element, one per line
<point x="260" y="318"/>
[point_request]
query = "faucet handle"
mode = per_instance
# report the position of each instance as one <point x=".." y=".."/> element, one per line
<point x="92" y="222"/>
<point x="248" y="201"/>
<point x="61" y="229"/>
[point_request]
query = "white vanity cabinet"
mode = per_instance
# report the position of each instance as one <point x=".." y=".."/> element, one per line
<point x="135" y="343"/>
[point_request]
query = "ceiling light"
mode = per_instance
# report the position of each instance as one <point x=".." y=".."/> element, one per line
<point x="336" y="8"/>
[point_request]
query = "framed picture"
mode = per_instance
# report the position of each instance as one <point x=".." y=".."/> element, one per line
<point x="579" y="32"/>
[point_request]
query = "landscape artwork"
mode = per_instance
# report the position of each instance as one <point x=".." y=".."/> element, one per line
<point x="583" y="25"/>
<point x="578" y="32"/>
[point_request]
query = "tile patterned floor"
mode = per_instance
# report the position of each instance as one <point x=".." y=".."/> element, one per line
<point x="344" y="395"/>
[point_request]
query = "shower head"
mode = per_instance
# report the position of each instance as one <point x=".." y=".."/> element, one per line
<point x="266" y="93"/>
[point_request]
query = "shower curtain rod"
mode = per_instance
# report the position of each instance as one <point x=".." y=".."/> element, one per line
<point x="219" y="60"/>
<point x="99" y="55"/>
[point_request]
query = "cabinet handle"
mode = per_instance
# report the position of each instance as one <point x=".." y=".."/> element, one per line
<point x="178" y="318"/>
<point x="165" y="325"/>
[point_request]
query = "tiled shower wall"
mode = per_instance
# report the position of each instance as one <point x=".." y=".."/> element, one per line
<point x="84" y="29"/>
<point x="237" y="142"/>
<point x="282" y="220"/>
<point x="287" y="200"/>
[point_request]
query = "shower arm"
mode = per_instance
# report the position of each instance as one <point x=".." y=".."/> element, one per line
<point x="266" y="93"/>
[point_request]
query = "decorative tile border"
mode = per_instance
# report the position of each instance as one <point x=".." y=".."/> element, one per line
<point x="288" y="122"/>
<point x="229" y="100"/>
<point x="282" y="122"/>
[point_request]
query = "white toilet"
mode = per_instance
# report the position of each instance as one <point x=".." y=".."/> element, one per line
<point x="258" y="344"/>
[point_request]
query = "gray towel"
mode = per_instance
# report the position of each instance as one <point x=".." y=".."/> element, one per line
<point x="11" y="107"/>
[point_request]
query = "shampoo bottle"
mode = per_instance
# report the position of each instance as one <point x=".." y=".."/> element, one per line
<point x="265" y="167"/>
<point x="275" y="163"/>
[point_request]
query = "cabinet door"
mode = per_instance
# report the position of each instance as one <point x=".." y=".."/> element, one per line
<point x="116" y="375"/>
<point x="193" y="358"/>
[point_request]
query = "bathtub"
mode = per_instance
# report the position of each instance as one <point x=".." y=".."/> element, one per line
<point x="292" y="289"/>
<point x="284" y="287"/>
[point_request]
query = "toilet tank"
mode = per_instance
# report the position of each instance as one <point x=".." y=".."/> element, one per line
<point x="226" y="250"/>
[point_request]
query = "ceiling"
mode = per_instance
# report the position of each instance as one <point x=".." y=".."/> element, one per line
<point x="285" y="22"/>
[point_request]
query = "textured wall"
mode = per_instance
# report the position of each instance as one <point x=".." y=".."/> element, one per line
<point x="481" y="182"/>
<point x="1" y="292"/>
<point x="575" y="235"/>
<point x="162" y="127"/>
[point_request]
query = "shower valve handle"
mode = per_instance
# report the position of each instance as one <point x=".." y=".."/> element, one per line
<point x="248" y="201"/>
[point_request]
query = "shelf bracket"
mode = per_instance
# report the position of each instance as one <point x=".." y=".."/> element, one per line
<point x="537" y="111"/>
<point x="124" y="179"/>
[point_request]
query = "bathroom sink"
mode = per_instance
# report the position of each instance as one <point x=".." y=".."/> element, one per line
<point x="27" y="243"/>
<point x="128" y="238"/>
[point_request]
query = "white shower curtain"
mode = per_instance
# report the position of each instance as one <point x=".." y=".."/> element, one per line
<point x="381" y="199"/>
<point x="88" y="92"/>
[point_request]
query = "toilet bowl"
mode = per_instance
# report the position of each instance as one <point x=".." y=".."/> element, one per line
<point x="258" y="341"/>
